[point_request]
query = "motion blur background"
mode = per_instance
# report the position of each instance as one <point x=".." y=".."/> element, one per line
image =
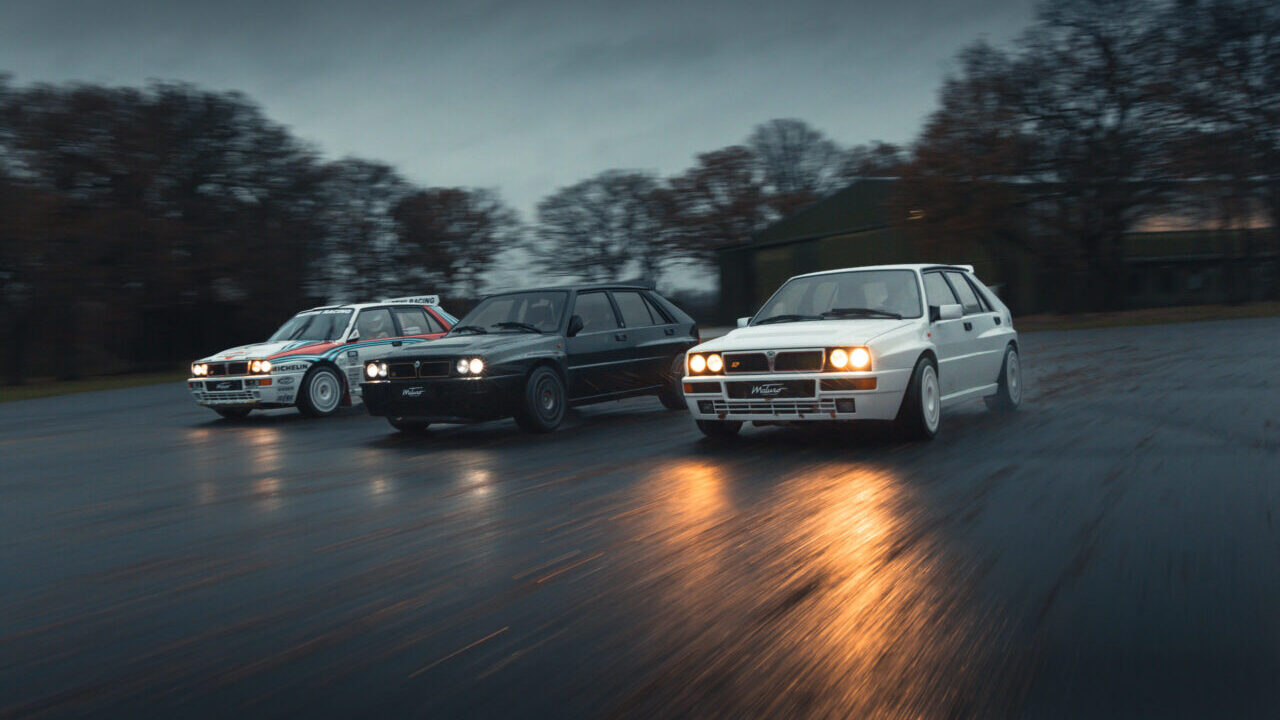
<point x="1085" y="155"/>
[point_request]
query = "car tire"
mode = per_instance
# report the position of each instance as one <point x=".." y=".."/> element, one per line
<point x="233" y="413"/>
<point x="672" y="393"/>
<point x="1009" y="387"/>
<point x="542" y="408"/>
<point x="920" y="414"/>
<point x="321" y="392"/>
<point x="719" y="429"/>
<point x="409" y="427"/>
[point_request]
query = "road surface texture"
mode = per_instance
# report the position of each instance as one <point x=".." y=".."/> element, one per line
<point x="1110" y="550"/>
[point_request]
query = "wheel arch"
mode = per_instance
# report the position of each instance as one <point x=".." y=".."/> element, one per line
<point x="342" y="378"/>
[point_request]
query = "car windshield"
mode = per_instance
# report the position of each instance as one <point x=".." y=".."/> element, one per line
<point x="517" y="312"/>
<point x="314" y="325"/>
<point x="852" y="294"/>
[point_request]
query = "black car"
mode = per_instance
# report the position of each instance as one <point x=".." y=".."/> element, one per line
<point x="530" y="354"/>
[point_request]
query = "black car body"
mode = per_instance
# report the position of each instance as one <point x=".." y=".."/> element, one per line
<point x="551" y="348"/>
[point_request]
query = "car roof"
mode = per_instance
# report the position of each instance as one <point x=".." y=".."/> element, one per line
<point x="361" y="306"/>
<point x="904" y="266"/>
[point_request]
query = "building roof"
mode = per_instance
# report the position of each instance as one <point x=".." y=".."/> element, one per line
<point x="857" y="207"/>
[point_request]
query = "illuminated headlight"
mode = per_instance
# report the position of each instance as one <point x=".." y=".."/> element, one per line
<point x="463" y="367"/>
<point x="469" y="366"/>
<point x="714" y="363"/>
<point x="858" y="358"/>
<point x="709" y="363"/>
<point x="375" y="370"/>
<point x="697" y="363"/>
<point x="200" y="369"/>
<point x="260" y="366"/>
<point x="476" y="366"/>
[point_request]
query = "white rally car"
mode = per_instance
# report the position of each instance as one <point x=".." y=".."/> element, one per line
<point x="888" y="342"/>
<point x="315" y="359"/>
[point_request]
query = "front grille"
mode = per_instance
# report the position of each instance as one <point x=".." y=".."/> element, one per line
<point x="745" y="363"/>
<point x="401" y="370"/>
<point x="776" y="407"/>
<point x="228" y="397"/>
<point x="237" y="368"/>
<point x="217" y="369"/>
<point x="434" y="368"/>
<point x="802" y="361"/>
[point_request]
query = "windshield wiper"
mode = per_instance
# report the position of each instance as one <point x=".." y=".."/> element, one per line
<point x="472" y="328"/>
<point x="788" y="318"/>
<point x="518" y="326"/>
<point x="872" y="312"/>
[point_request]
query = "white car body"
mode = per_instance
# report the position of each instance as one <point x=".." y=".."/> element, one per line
<point x="969" y="351"/>
<point x="232" y="386"/>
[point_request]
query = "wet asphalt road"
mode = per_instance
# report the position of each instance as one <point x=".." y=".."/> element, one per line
<point x="1110" y="550"/>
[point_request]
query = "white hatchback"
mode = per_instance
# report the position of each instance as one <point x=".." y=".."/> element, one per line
<point x="889" y="342"/>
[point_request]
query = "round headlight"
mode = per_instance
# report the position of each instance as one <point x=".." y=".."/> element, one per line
<point x="265" y="367"/>
<point x="859" y="358"/>
<point x="714" y="363"/>
<point x="463" y="366"/>
<point x="371" y="370"/>
<point x="839" y="358"/>
<point x="382" y="369"/>
<point x="697" y="363"/>
<point x="476" y="366"/>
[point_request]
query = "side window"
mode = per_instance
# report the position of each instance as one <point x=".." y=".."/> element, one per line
<point x="635" y="313"/>
<point x="433" y="325"/>
<point x="659" y="315"/>
<point x="978" y="291"/>
<point x="967" y="297"/>
<point x="413" y="321"/>
<point x="374" y="324"/>
<point x="596" y="312"/>
<point x="938" y="291"/>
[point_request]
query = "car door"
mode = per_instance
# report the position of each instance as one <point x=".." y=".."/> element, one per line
<point x="983" y="337"/>
<point x="948" y="335"/>
<point x="600" y="353"/>
<point x="651" y="339"/>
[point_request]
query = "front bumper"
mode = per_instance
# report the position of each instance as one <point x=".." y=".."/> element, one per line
<point x="445" y="399"/>
<point x="266" y="391"/>
<point x="734" y="397"/>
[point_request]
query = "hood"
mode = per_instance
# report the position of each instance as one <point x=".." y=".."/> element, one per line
<point x="816" y="333"/>
<point x="475" y="344"/>
<point x="269" y="350"/>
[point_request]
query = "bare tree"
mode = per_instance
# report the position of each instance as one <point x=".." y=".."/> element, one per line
<point x="450" y="236"/>
<point x="363" y="255"/>
<point x="878" y="159"/>
<point x="721" y="200"/>
<point x="602" y="228"/>
<point x="799" y="163"/>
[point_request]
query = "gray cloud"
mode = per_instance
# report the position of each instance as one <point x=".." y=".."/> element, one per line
<point x="525" y="96"/>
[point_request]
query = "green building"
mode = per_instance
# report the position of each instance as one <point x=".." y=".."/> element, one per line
<point x="853" y="227"/>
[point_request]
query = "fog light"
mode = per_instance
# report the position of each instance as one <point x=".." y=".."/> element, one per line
<point x="845" y="405"/>
<point x="706" y="407"/>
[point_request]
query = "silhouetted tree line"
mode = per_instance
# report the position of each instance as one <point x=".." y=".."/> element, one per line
<point x="143" y="227"/>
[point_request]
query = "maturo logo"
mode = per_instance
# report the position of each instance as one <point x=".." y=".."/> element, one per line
<point x="412" y="392"/>
<point x="768" y="389"/>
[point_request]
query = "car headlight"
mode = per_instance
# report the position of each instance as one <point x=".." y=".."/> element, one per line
<point x="708" y="363"/>
<point x="469" y="366"/>
<point x="857" y="358"/>
<point x="462" y="366"/>
<point x="260" y="366"/>
<point x="371" y="370"/>
<point x="715" y="363"/>
<point x="476" y="366"/>
<point x="697" y="363"/>
<point x="199" y="369"/>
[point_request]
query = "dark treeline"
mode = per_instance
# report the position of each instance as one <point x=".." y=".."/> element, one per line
<point x="139" y="227"/>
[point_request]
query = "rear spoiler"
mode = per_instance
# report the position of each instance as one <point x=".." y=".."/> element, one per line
<point x="415" y="300"/>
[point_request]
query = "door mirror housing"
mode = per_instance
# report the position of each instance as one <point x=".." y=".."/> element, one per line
<point x="355" y="337"/>
<point x="743" y="322"/>
<point x="575" y="326"/>
<point x="945" y="312"/>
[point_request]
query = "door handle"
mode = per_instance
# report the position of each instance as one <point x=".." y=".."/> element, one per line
<point x="968" y="326"/>
<point x="997" y="319"/>
<point x="619" y="336"/>
<point x="397" y="343"/>
<point x="671" y="331"/>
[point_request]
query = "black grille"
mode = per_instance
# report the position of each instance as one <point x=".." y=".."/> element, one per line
<point x="803" y="361"/>
<point x="237" y="368"/>
<point x="401" y="370"/>
<point x="434" y="368"/>
<point x="745" y="363"/>
<point x="217" y="369"/>
<point x="770" y="389"/>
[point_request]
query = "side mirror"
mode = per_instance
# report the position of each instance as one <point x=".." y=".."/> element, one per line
<point x="743" y="322"/>
<point x="945" y="312"/>
<point x="355" y="337"/>
<point x="575" y="326"/>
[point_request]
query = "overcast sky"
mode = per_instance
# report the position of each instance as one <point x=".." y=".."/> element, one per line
<point x="528" y="96"/>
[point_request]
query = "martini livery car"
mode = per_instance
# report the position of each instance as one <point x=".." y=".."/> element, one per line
<point x="890" y="342"/>
<point x="314" y="360"/>
<point x="533" y="353"/>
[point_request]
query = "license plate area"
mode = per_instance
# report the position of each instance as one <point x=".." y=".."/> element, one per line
<point x="770" y="389"/>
